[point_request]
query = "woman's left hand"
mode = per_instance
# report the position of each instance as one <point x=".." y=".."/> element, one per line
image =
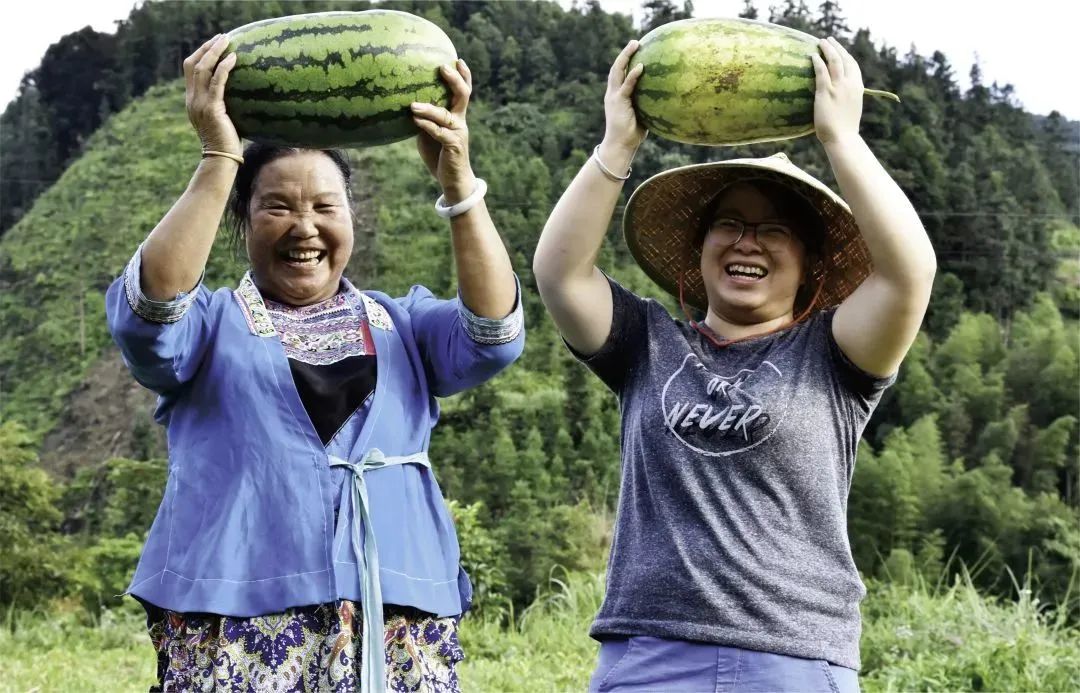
<point x="443" y="141"/>
<point x="839" y="95"/>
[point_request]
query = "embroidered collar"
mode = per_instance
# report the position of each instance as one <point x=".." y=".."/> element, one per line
<point x="257" y="314"/>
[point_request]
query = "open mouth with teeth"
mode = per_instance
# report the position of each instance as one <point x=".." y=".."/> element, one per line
<point x="746" y="272"/>
<point x="299" y="257"/>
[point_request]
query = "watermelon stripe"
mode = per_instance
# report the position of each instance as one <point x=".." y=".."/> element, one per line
<point x="657" y="123"/>
<point x="283" y="84"/>
<point x="288" y="33"/>
<point x="804" y="79"/>
<point x="260" y="65"/>
<point x="341" y="122"/>
<point x="797" y="99"/>
<point x="737" y="105"/>
<point x="656" y="94"/>
<point x="421" y="49"/>
<point x="742" y="55"/>
<point x="366" y="89"/>
<point x="759" y="42"/>
<point x="335" y="57"/>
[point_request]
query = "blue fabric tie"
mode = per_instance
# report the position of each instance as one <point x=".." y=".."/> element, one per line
<point x="373" y="658"/>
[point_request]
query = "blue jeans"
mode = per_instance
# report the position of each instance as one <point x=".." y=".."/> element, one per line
<point x="639" y="664"/>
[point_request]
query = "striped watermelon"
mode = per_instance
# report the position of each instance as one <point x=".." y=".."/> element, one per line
<point x="726" y="81"/>
<point x="335" y="79"/>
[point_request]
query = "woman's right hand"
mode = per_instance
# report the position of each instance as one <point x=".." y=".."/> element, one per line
<point x="622" y="129"/>
<point x="205" y="95"/>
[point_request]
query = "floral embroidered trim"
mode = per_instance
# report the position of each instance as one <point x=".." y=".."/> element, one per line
<point x="253" y="307"/>
<point x="378" y="316"/>
<point x="267" y="321"/>
<point x="339" y="303"/>
<point x="323" y="333"/>
<point x="163" y="312"/>
<point x="493" y="330"/>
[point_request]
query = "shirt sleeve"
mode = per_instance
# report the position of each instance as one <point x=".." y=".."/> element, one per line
<point x="627" y="341"/>
<point x="162" y="342"/>
<point x="493" y="330"/>
<point x="149" y="309"/>
<point x="459" y="348"/>
<point x="866" y="387"/>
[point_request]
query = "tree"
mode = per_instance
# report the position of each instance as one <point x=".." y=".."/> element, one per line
<point x="830" y="21"/>
<point x="115" y="498"/>
<point x="748" y="11"/>
<point x="1059" y="148"/>
<point x="943" y="78"/>
<point x="660" y="12"/>
<point x="1042" y="367"/>
<point x="794" y="14"/>
<point x="1041" y="471"/>
<point x="481" y="36"/>
<point x="540" y="69"/>
<point x="29" y="162"/>
<point x="916" y="391"/>
<point x="30" y="567"/>
<point x="68" y="80"/>
<point x="508" y="75"/>
<point x="946" y="304"/>
<point x="884" y="506"/>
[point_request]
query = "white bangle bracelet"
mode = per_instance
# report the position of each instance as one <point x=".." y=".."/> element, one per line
<point x="607" y="171"/>
<point x="448" y="212"/>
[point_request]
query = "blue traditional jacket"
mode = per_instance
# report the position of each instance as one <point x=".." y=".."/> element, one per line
<point x="247" y="524"/>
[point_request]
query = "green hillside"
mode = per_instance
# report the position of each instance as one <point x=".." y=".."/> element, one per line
<point x="56" y="263"/>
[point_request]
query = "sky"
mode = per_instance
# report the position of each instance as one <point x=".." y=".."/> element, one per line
<point x="1030" y="45"/>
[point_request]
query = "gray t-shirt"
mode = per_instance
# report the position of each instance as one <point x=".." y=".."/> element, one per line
<point x="736" y="465"/>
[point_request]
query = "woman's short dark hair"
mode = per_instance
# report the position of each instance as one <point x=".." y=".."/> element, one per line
<point x="257" y="155"/>
<point x="788" y="204"/>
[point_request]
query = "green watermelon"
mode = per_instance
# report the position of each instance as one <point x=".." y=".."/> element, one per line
<point x="726" y="81"/>
<point x="335" y="79"/>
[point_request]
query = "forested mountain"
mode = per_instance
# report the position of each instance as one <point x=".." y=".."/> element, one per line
<point x="971" y="456"/>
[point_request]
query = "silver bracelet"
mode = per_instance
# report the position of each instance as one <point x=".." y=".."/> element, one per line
<point x="607" y="171"/>
<point x="451" y="211"/>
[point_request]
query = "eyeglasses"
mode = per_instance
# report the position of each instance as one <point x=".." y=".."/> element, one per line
<point x="770" y="235"/>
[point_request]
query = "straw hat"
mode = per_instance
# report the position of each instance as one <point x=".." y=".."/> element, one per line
<point x="664" y="217"/>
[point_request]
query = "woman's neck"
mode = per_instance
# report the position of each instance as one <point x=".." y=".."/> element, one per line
<point x="730" y="330"/>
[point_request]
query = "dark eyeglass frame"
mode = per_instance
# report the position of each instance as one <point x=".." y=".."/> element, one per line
<point x="769" y="234"/>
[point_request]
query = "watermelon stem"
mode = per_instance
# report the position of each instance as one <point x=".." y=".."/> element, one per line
<point x="882" y="94"/>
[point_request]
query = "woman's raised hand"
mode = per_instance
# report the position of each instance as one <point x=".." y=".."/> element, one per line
<point x="838" y="98"/>
<point x="443" y="141"/>
<point x="621" y="127"/>
<point x="205" y="77"/>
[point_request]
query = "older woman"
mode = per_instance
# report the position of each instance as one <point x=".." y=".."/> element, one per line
<point x="730" y="568"/>
<point x="300" y="497"/>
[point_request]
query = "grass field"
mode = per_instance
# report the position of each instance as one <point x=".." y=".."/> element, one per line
<point x="914" y="639"/>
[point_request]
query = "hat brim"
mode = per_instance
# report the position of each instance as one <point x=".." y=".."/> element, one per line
<point x="664" y="219"/>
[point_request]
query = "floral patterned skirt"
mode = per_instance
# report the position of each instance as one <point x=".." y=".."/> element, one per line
<point x="313" y="648"/>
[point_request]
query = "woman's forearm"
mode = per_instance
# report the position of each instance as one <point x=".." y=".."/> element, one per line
<point x="485" y="275"/>
<point x="175" y="253"/>
<point x="575" y="231"/>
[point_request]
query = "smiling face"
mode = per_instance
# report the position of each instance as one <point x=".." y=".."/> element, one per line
<point x="749" y="282"/>
<point x="300" y="235"/>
